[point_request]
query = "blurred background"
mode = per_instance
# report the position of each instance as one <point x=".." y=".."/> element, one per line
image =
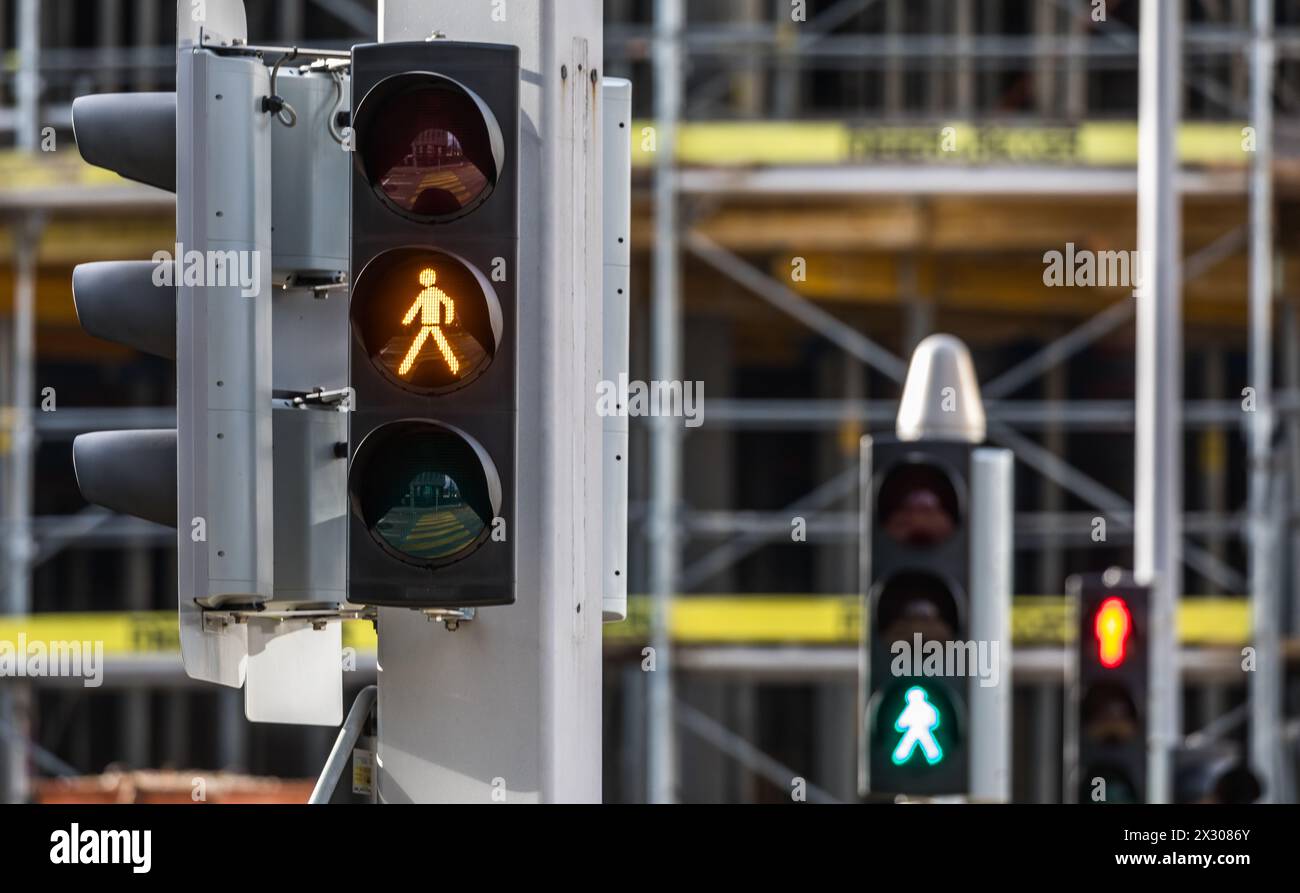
<point x="815" y="147"/>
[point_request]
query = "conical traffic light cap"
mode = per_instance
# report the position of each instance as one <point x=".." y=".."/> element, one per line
<point x="941" y="400"/>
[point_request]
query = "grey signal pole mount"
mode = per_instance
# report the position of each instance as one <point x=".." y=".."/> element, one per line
<point x="508" y="708"/>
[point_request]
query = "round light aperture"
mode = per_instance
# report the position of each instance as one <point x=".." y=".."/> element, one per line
<point x="429" y="147"/>
<point x="919" y="722"/>
<point x="429" y="321"/>
<point x="918" y="505"/>
<point x="916" y="602"/>
<point x="426" y="493"/>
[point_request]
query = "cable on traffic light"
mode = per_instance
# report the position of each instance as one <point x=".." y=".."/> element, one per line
<point x="275" y="104"/>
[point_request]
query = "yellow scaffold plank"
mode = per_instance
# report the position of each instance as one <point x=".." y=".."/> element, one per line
<point x="804" y="143"/>
<point x="154" y="632"/>
<point x="717" y="620"/>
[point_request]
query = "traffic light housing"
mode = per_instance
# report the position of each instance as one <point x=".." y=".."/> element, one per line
<point x="434" y="323"/>
<point x="209" y="307"/>
<point x="131" y="134"/>
<point x="1108" y="713"/>
<point x="131" y="472"/>
<point x="917" y="584"/>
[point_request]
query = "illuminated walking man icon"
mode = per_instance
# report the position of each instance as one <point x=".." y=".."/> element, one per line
<point x="917" y="722"/>
<point x="435" y="309"/>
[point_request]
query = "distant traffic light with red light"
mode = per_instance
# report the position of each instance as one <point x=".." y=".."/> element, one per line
<point x="1109" y="692"/>
<point x="917" y="576"/>
<point x="434" y="311"/>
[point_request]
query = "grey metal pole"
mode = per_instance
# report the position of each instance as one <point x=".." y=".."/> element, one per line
<point x="146" y="35"/>
<point x="14" y="699"/>
<point x="14" y="784"/>
<point x="350" y="732"/>
<point x="136" y="730"/>
<point x="895" y="15"/>
<point x="1051" y="567"/>
<point x="992" y="526"/>
<point x="964" y="82"/>
<point x="1047" y="748"/>
<point x="1291" y="379"/>
<point x="28" y="81"/>
<point x="665" y="468"/>
<point x="109" y="27"/>
<point x="1266" y="681"/>
<point x="290" y="20"/>
<point x="1159" y="450"/>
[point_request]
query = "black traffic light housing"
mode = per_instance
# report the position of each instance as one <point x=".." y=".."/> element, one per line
<point x="435" y="292"/>
<point x="1110" y="692"/>
<point x="917" y="577"/>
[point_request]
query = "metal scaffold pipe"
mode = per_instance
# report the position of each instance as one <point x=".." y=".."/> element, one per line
<point x="19" y="464"/>
<point x="1266" y="682"/>
<point x="665" y="471"/>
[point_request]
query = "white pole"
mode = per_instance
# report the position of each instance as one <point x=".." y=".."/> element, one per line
<point x="1159" y="461"/>
<point x="993" y="508"/>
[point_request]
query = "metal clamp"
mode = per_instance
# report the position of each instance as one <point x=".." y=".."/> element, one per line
<point x="334" y="399"/>
<point x="452" y="618"/>
<point x="220" y="618"/>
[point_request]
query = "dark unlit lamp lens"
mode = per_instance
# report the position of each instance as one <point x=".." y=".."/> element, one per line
<point x="425" y="495"/>
<point x="918" y="506"/>
<point x="429" y="152"/>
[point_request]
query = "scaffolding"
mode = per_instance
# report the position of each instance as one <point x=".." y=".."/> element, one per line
<point x="756" y="68"/>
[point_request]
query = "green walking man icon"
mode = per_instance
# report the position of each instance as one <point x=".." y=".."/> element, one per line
<point x="917" y="722"/>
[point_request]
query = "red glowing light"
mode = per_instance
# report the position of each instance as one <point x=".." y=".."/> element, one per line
<point x="1113" y="628"/>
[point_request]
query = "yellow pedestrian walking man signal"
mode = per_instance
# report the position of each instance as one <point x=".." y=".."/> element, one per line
<point x="436" y="309"/>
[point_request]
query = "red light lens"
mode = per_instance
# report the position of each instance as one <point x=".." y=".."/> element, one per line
<point x="428" y="150"/>
<point x="1113" y="628"/>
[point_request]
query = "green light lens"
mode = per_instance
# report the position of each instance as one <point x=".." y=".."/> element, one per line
<point x="425" y="495"/>
<point x="432" y="521"/>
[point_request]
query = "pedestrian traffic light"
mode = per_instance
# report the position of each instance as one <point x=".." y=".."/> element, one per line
<point x="1107" y="719"/>
<point x="434" y="317"/>
<point x="917" y="601"/>
<point x="936" y="575"/>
